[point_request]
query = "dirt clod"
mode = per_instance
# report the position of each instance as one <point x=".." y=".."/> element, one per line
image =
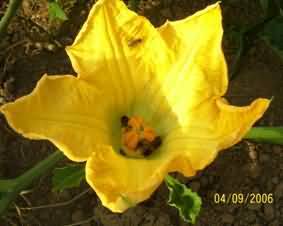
<point x="77" y="215"/>
<point x="227" y="218"/>
<point x="278" y="193"/>
<point x="269" y="212"/>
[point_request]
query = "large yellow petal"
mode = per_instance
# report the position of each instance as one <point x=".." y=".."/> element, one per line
<point x="212" y="128"/>
<point x="123" y="182"/>
<point x="194" y="71"/>
<point x="234" y="122"/>
<point x="65" y="110"/>
<point x="196" y="83"/>
<point x="200" y="71"/>
<point x="119" y="52"/>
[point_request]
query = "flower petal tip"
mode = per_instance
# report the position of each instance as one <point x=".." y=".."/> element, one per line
<point x="261" y="104"/>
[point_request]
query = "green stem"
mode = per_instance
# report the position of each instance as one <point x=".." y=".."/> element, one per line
<point x="9" y="13"/>
<point x="6" y="185"/>
<point x="15" y="186"/>
<point x="273" y="135"/>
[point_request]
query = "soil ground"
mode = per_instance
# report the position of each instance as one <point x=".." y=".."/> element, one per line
<point x="34" y="46"/>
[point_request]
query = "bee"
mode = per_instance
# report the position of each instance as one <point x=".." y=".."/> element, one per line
<point x="134" y="42"/>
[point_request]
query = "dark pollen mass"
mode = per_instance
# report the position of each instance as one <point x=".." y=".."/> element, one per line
<point x="124" y="121"/>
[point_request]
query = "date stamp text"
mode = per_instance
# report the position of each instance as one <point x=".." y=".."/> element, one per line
<point x="241" y="198"/>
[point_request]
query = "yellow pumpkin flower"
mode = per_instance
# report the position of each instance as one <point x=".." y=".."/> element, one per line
<point x="146" y="102"/>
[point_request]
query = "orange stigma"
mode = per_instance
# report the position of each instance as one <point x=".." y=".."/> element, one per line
<point x="137" y="137"/>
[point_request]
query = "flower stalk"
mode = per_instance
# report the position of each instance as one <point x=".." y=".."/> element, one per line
<point x="9" y="14"/>
<point x="273" y="135"/>
<point x="9" y="189"/>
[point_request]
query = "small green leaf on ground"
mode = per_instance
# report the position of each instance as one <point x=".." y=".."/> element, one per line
<point x="273" y="35"/>
<point x="55" y="11"/>
<point x="67" y="177"/>
<point x="187" y="202"/>
<point x="273" y="135"/>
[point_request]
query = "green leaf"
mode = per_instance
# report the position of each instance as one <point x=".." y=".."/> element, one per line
<point x="187" y="202"/>
<point x="273" y="135"/>
<point x="55" y="11"/>
<point x="273" y="35"/>
<point x="280" y="3"/>
<point x="67" y="177"/>
<point x="265" y="5"/>
<point x="236" y="35"/>
<point x="271" y="8"/>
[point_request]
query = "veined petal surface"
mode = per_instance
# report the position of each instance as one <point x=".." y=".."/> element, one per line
<point x="65" y="110"/>
<point x="199" y="73"/>
<point x="123" y="182"/>
<point x="212" y="128"/>
<point x="119" y="52"/>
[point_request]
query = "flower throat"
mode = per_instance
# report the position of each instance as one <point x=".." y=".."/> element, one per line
<point x="138" y="139"/>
